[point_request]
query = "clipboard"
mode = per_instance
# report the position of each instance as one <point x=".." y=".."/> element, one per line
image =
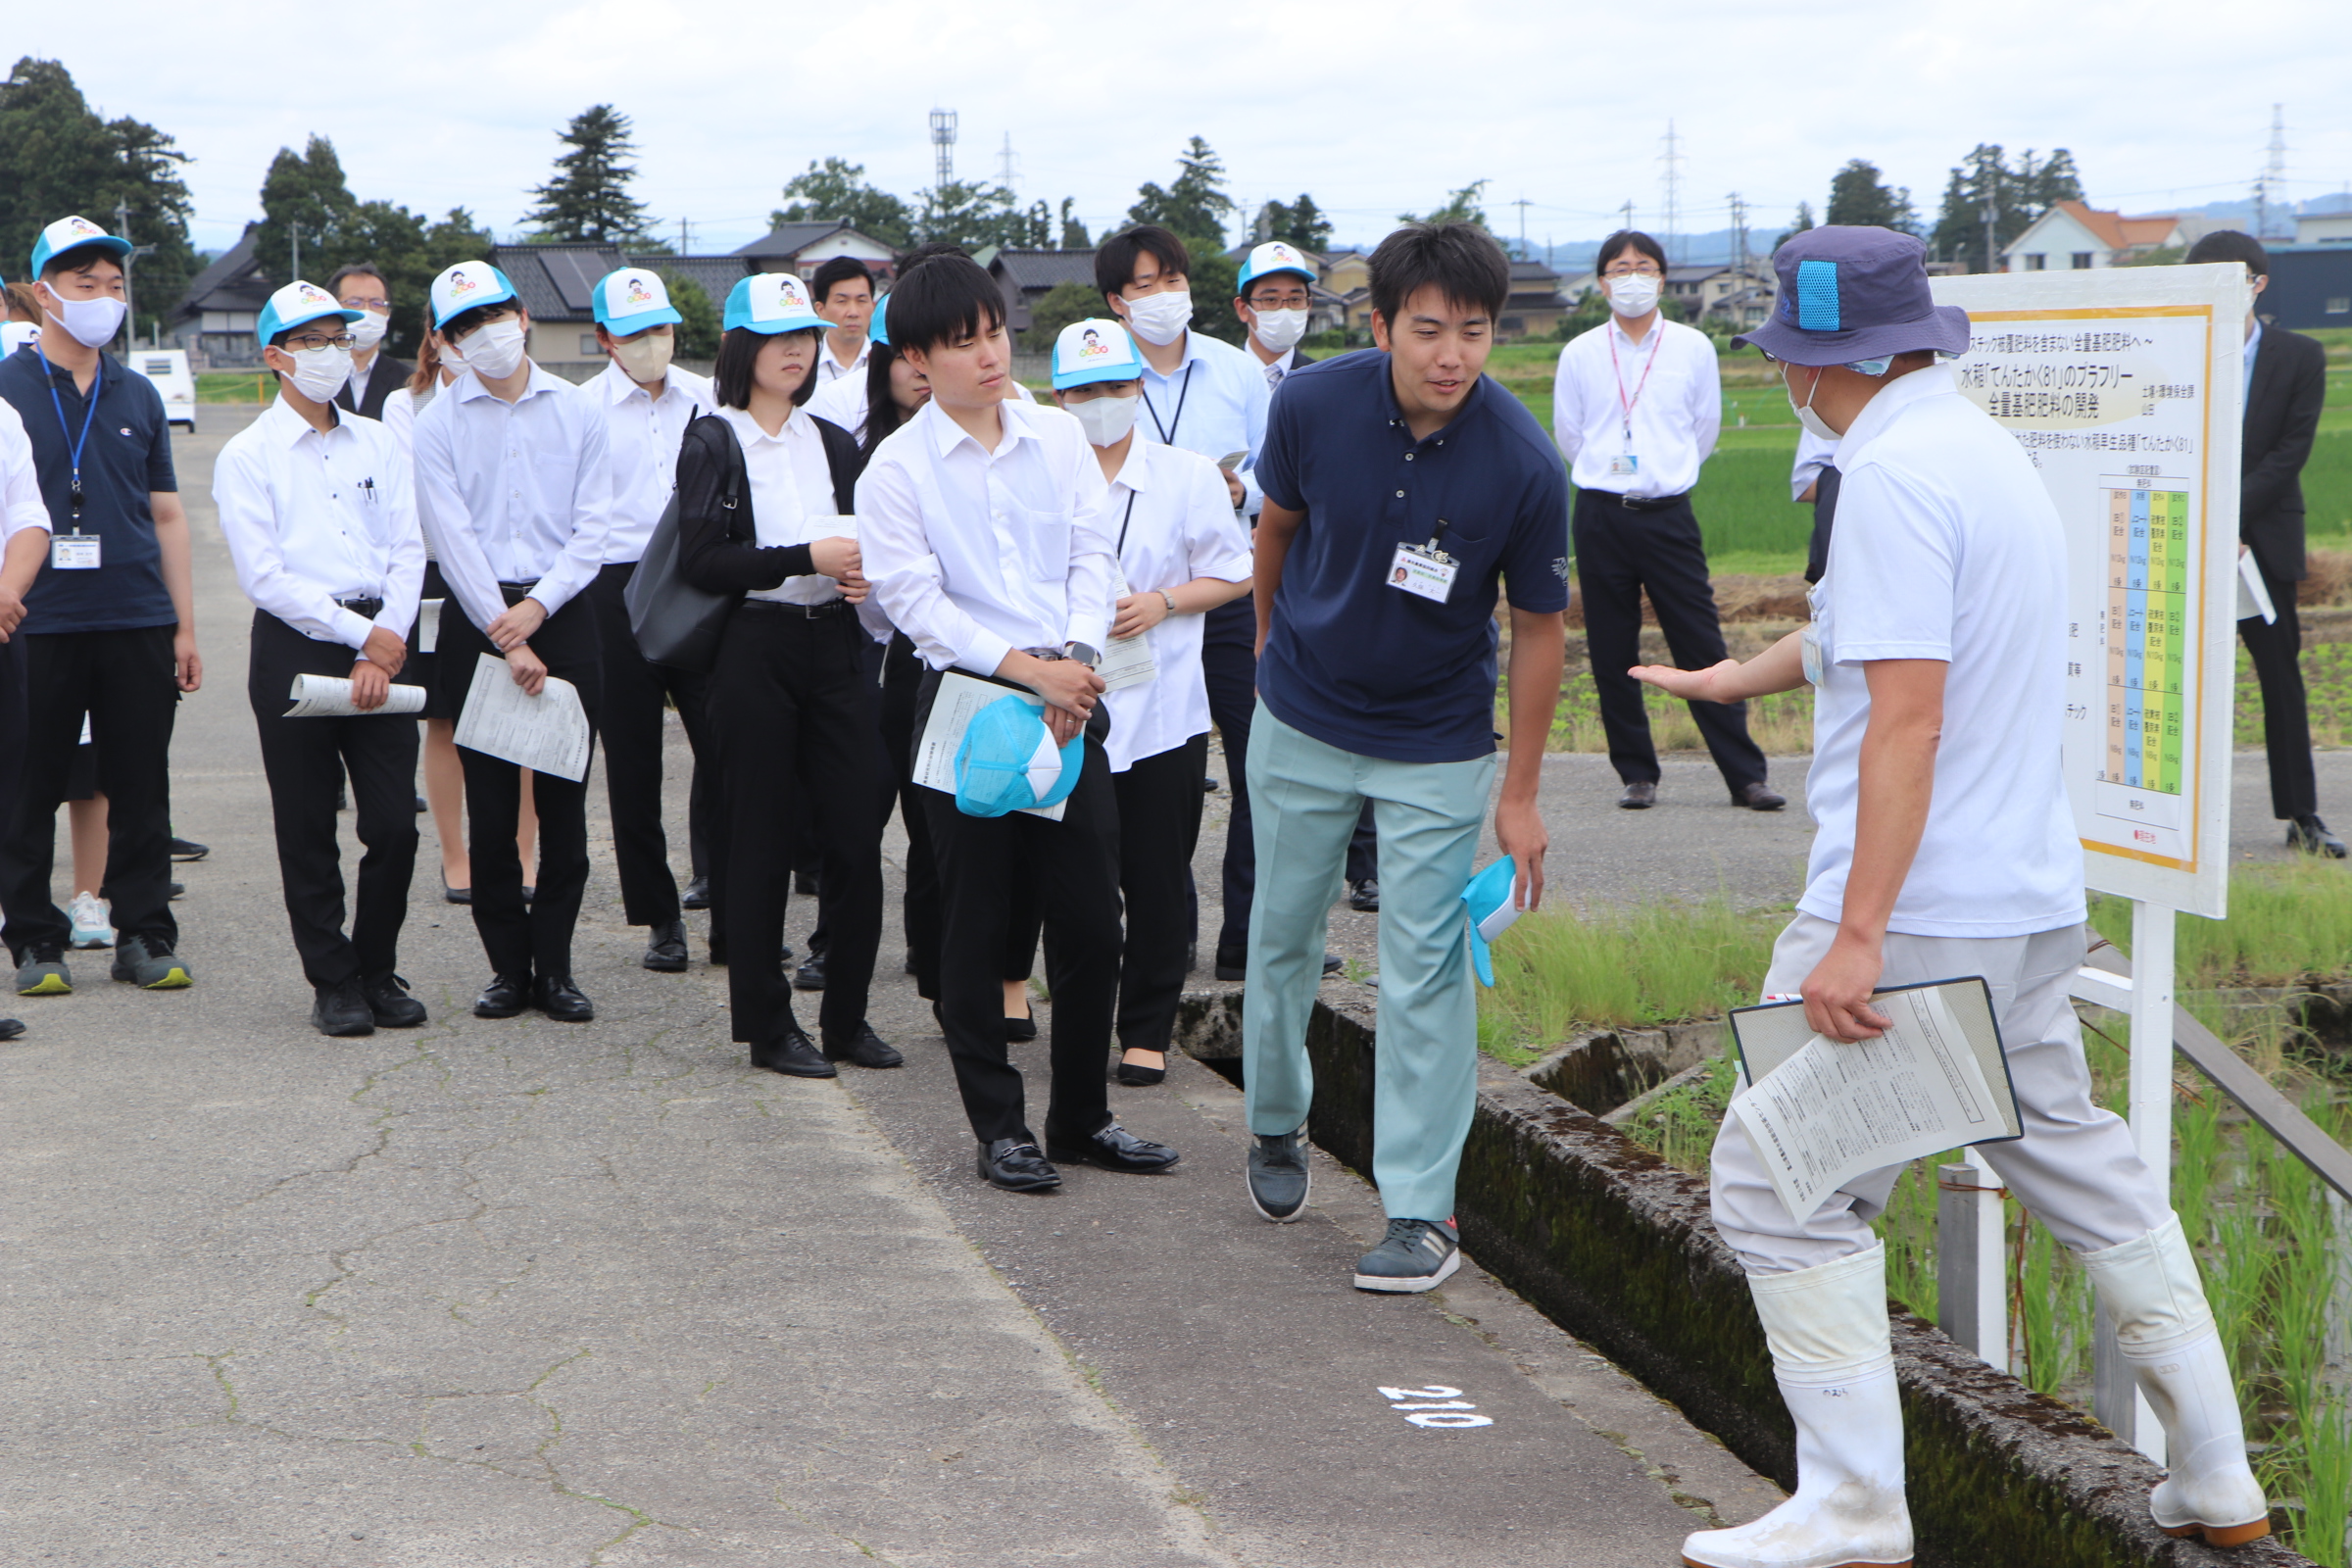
<point x="1768" y="1034"/>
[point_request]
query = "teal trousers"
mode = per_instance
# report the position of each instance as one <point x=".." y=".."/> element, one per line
<point x="1305" y="798"/>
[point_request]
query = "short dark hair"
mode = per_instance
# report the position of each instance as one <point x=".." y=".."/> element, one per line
<point x="731" y="376"/>
<point x="840" y="269"/>
<point x="945" y="298"/>
<point x="1115" y="262"/>
<point x="80" y="259"/>
<point x="2229" y="245"/>
<point x="334" y="284"/>
<point x="930" y="250"/>
<point x="1625" y="240"/>
<point x="1460" y="260"/>
<point x="464" y="322"/>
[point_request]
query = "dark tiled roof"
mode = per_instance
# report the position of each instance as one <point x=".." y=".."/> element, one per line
<point x="233" y="282"/>
<point x="789" y="239"/>
<point x="554" y="281"/>
<point x="1035" y="271"/>
<point x="1525" y="272"/>
<point x="717" y="274"/>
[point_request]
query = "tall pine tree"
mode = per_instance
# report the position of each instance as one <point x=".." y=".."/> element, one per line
<point x="1194" y="206"/>
<point x="2015" y="194"/>
<point x="1858" y="195"/>
<point x="589" y="197"/>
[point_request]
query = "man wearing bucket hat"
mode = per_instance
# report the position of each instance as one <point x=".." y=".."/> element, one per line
<point x="648" y="403"/>
<point x="515" y="488"/>
<point x="1946" y="847"/>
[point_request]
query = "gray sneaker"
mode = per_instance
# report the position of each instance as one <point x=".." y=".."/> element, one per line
<point x="1279" y="1177"/>
<point x="43" y="973"/>
<point x="150" y="965"/>
<point x="1417" y="1255"/>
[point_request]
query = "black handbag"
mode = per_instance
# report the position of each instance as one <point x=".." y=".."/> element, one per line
<point x="677" y="623"/>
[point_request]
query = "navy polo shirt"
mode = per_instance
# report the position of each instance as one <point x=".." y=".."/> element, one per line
<point x="128" y="455"/>
<point x="1367" y="667"/>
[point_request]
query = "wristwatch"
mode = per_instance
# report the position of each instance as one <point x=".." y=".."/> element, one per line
<point x="1084" y="654"/>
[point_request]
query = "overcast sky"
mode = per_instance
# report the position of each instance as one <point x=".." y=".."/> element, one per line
<point x="1373" y="107"/>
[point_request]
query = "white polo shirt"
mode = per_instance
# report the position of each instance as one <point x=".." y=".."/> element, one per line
<point x="1215" y="404"/>
<point x="1636" y="418"/>
<point x="1949" y="548"/>
<point x="643" y="432"/>
<point x="20" y="503"/>
<point x="313" y="517"/>
<point x="975" y="554"/>
<point x="1177" y="517"/>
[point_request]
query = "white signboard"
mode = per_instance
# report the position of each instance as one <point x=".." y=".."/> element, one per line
<point x="2125" y="386"/>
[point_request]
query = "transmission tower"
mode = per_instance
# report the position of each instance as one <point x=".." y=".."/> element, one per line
<point x="1739" y="229"/>
<point x="2271" y="185"/>
<point x="1009" y="171"/>
<point x="943" y="145"/>
<point x="1671" y="158"/>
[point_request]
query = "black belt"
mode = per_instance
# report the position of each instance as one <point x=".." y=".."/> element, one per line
<point x="370" y="608"/>
<point x="831" y="607"/>
<point x="1640" y="503"/>
<point x="515" y="593"/>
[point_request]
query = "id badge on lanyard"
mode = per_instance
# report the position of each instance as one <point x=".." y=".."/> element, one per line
<point x="75" y="551"/>
<point x="1626" y="464"/>
<point x="1426" y="571"/>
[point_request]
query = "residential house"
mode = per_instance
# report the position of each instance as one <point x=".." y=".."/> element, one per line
<point x="2323" y="228"/>
<point x="2075" y="236"/>
<point x="805" y="247"/>
<point x="215" y="318"/>
<point x="1026" y="276"/>
<point x="1533" y="307"/>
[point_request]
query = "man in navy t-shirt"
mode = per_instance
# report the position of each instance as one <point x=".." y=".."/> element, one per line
<point x="1400" y="489"/>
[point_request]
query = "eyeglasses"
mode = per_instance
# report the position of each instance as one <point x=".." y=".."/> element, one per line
<point x="1270" y="300"/>
<point x="1636" y="270"/>
<point x="352" y="302"/>
<point x="317" y="340"/>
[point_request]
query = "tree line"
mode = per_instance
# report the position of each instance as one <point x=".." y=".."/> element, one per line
<point x="2016" y="193"/>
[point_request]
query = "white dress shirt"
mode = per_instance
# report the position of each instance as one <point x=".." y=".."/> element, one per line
<point x="841" y="402"/>
<point x="1675" y="391"/>
<point x="400" y="418"/>
<point x="1215" y="405"/>
<point x="1177" y="517"/>
<point x="976" y="554"/>
<point x="792" y="497"/>
<point x="644" y="432"/>
<point x="313" y="517"/>
<point x="830" y="369"/>
<point x="1274" y="370"/>
<point x="20" y="503"/>
<point x="514" y="492"/>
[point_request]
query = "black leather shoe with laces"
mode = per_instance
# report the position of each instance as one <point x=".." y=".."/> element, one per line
<point x="666" y="950"/>
<point x="389" y="1000"/>
<point x="793" y="1054"/>
<point x="864" y="1048"/>
<point x="697" y="895"/>
<point x="561" y="999"/>
<point x="341" y="1011"/>
<point x="503" y="996"/>
<point x="2312" y="836"/>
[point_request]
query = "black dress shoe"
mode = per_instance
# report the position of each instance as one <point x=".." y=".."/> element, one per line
<point x="1018" y="1030"/>
<point x="2311" y="835"/>
<point x="1114" y="1147"/>
<point x="1332" y="964"/>
<point x="1135" y="1075"/>
<point x="556" y="996"/>
<point x="503" y="996"/>
<point x="341" y="1010"/>
<point x="422" y="806"/>
<point x="1208" y="786"/>
<point x="450" y="895"/>
<point x="810" y="975"/>
<point x="1364" y="897"/>
<point x="1760" y="797"/>
<point x="1639" y="796"/>
<point x="188" y="849"/>
<point x="864" y="1048"/>
<point x="792" y="1053"/>
<point x="389" y="1000"/>
<point x="698" y="894"/>
<point x="10" y="1028"/>
<point x="665" y="953"/>
<point x="1014" y="1164"/>
<point x="1233" y="963"/>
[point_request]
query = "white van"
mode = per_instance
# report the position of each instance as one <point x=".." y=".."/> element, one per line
<point x="169" y="370"/>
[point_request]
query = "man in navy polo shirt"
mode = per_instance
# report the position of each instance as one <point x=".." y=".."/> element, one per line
<point x="110" y="625"/>
<point x="1400" y="488"/>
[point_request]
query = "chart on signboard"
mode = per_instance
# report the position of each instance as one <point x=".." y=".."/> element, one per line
<point x="2124" y="385"/>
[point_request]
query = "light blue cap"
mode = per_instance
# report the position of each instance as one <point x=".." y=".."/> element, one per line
<point x="73" y="235"/>
<point x="1274" y="256"/>
<point x="875" y="331"/>
<point x="468" y="286"/>
<point x="631" y="300"/>
<point x="772" y="303"/>
<point x="1008" y="762"/>
<point x="294" y="304"/>
<point x="1097" y="350"/>
<point x="1491" y="909"/>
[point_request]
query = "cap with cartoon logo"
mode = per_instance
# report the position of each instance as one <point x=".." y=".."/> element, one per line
<point x="632" y="300"/>
<point x="466" y="286"/>
<point x="73" y="235"/>
<point x="769" y="303"/>
<point x="296" y="303"/>
<point x="1274" y="256"/>
<point x="1097" y="350"/>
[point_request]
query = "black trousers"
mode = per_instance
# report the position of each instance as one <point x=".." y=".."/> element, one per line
<point x="123" y="681"/>
<point x="2277" y="648"/>
<point x="535" y="938"/>
<point x="793" y="715"/>
<point x="807" y="853"/>
<point x="1621" y="552"/>
<point x="901" y="690"/>
<point x="636" y="691"/>
<point x="306" y="760"/>
<point x="1075" y="864"/>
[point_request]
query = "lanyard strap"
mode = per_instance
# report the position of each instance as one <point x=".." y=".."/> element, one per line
<point x="1123" y="522"/>
<point x="1167" y="431"/>
<point x="1658" y="333"/>
<point x="89" y="412"/>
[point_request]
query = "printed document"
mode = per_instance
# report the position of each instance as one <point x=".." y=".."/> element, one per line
<point x="428" y="624"/>
<point x="547" y="733"/>
<point x="959" y="697"/>
<point x="1826" y="1112"/>
<point x="330" y="697"/>
<point x="1127" y="661"/>
<point x="2253" y="594"/>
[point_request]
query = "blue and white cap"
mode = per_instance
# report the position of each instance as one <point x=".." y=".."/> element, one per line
<point x="467" y="286"/>
<point x="770" y="302"/>
<point x="1097" y="350"/>
<point x="74" y="234"/>
<point x="1493" y="911"/>
<point x="1274" y="256"/>
<point x="1008" y="762"/>
<point x="296" y="303"/>
<point x="632" y="300"/>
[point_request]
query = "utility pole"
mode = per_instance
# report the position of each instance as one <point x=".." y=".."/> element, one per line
<point x="943" y="145"/>
<point x="1740" y="231"/>
<point x="2274" y="173"/>
<point x="130" y="317"/>
<point x="685" y="238"/>
<point x="1522" y="203"/>
<point x="1992" y="180"/>
<point x="1008" y="166"/>
<point x="1672" y="159"/>
<point x="1628" y="210"/>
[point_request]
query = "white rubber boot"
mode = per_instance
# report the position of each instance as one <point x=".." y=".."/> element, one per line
<point x="2150" y="1291"/>
<point x="1826" y="1326"/>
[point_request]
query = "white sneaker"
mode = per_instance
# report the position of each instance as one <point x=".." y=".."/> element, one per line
<point x="92" y="927"/>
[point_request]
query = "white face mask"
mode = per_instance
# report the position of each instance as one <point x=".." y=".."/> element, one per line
<point x="1161" y="318"/>
<point x="319" y="373"/>
<point x="493" y="351"/>
<point x="1632" y="295"/>
<point x="92" y="323"/>
<point x="368" y="330"/>
<point x="1279" y="330"/>
<point x="1813" y="422"/>
<point x="1105" y="420"/>
<point x="647" y="360"/>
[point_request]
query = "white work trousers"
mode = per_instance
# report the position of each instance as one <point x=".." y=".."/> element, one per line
<point x="2076" y="1169"/>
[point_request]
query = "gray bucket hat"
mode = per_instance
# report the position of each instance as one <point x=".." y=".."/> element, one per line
<point x="1851" y="293"/>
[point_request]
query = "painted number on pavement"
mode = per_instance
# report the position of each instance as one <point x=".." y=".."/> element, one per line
<point x="1435" y="1406"/>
